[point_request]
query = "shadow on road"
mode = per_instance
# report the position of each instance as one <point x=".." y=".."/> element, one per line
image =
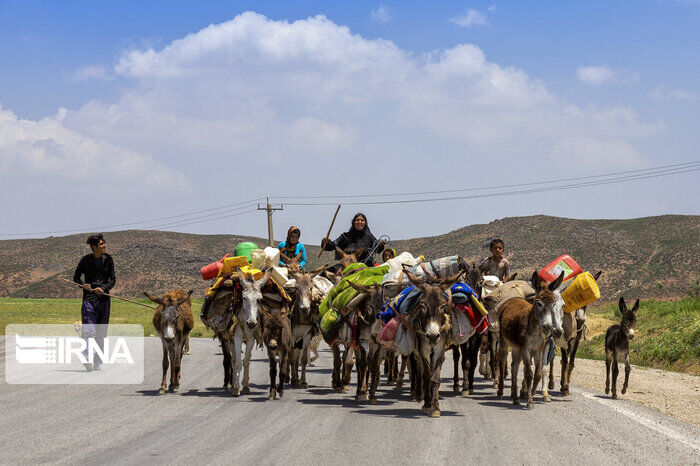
<point x="404" y="413"/>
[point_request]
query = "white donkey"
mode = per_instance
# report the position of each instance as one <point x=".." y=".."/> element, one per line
<point x="552" y="343"/>
<point x="244" y="329"/>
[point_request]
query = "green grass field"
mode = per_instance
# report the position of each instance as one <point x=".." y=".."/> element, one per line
<point x="666" y="335"/>
<point x="67" y="311"/>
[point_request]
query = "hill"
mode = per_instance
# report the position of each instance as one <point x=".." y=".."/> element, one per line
<point x="644" y="257"/>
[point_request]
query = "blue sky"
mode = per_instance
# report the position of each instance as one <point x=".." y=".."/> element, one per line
<point x="626" y="74"/>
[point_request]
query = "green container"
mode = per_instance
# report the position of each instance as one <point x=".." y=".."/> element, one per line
<point x="244" y="249"/>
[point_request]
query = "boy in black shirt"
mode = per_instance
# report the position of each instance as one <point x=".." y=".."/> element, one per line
<point x="98" y="272"/>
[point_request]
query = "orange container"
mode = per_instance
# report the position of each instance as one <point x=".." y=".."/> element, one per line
<point x="563" y="263"/>
<point x="212" y="270"/>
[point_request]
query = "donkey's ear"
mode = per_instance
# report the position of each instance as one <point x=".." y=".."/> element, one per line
<point x="340" y="251"/>
<point x="512" y="277"/>
<point x="597" y="275"/>
<point x="447" y="283"/>
<point x="185" y="298"/>
<point x="556" y="283"/>
<point x="263" y="281"/>
<point x="536" y="284"/>
<point x="621" y="304"/>
<point x="635" y="308"/>
<point x="361" y="288"/>
<point x="154" y="299"/>
<point x="358" y="252"/>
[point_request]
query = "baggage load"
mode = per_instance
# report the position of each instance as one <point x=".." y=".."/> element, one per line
<point x="279" y="275"/>
<point x="581" y="292"/>
<point x="231" y="263"/>
<point x="491" y="282"/>
<point x="244" y="249"/>
<point x="407" y="258"/>
<point x="564" y="263"/>
<point x="328" y="321"/>
<point x="441" y="268"/>
<point x="463" y="293"/>
<point x="250" y="272"/>
<point x="389" y="330"/>
<point x="477" y="320"/>
<point x="272" y="257"/>
<point x="506" y="292"/>
<point x="322" y="284"/>
<point x="258" y="258"/>
<point x="212" y="270"/>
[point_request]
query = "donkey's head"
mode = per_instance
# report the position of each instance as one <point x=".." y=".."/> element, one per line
<point x="472" y="276"/>
<point x="544" y="306"/>
<point x="274" y="322"/>
<point x="303" y="290"/>
<point x="433" y="307"/>
<point x="252" y="296"/>
<point x="629" y="317"/>
<point x="170" y="313"/>
<point x="347" y="259"/>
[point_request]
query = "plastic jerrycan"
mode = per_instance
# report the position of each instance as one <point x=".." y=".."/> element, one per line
<point x="582" y="292"/>
<point x="564" y="263"/>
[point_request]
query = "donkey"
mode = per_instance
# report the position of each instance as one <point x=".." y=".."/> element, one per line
<point x="292" y="263"/>
<point x="303" y="317"/>
<point x="217" y="314"/>
<point x="617" y="346"/>
<point x="523" y="327"/>
<point x="277" y="337"/>
<point x="568" y="343"/>
<point x="466" y="342"/>
<point x="433" y="327"/>
<point x="173" y="323"/>
<point x="376" y="351"/>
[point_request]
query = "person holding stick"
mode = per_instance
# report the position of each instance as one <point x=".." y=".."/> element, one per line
<point x="358" y="236"/>
<point x="97" y="272"/>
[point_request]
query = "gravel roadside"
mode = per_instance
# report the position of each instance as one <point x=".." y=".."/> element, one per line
<point x="672" y="393"/>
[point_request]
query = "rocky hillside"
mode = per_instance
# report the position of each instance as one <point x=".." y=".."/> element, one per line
<point x="653" y="256"/>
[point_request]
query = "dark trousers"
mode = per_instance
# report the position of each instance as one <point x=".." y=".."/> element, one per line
<point x="95" y="313"/>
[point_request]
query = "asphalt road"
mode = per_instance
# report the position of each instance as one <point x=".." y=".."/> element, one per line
<point x="202" y="423"/>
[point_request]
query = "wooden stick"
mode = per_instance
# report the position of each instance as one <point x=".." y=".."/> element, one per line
<point x="329" y="230"/>
<point x="110" y="295"/>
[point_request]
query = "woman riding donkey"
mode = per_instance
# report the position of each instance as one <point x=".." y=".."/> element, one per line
<point x="292" y="252"/>
<point x="357" y="237"/>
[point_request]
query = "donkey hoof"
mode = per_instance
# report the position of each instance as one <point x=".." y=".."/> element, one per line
<point x="614" y="396"/>
<point x="607" y="390"/>
<point x="187" y="352"/>
<point x="455" y="388"/>
<point x="550" y="386"/>
<point x="171" y="389"/>
<point x="529" y="405"/>
<point x="399" y="385"/>
<point x="226" y="386"/>
<point x="161" y="391"/>
<point x="361" y="397"/>
<point x="338" y="389"/>
<point x="295" y="384"/>
<point x="236" y="392"/>
<point x="245" y="391"/>
<point x="304" y="385"/>
<point x="465" y="392"/>
<point x="546" y="398"/>
<point x="346" y="388"/>
<point x="516" y="402"/>
<point x="624" y="390"/>
<point x="564" y="392"/>
<point x="426" y="409"/>
<point x="373" y="401"/>
<point x="435" y="413"/>
<point x="271" y="396"/>
<point x="495" y="384"/>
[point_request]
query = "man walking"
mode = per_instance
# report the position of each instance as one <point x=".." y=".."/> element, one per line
<point x="98" y="272"/>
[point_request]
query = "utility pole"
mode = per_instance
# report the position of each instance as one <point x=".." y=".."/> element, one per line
<point x="270" y="208"/>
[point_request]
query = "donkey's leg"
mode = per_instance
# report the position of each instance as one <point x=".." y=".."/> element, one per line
<point x="473" y="352"/>
<point x="347" y="367"/>
<point x="425" y="381"/>
<point x="550" y="385"/>
<point x="283" y="355"/>
<point x="536" y="379"/>
<point x="225" y="350"/>
<point x="564" y="382"/>
<point x="304" y="362"/>
<point x="336" y="378"/>
<point x="438" y="358"/>
<point x="179" y="351"/>
<point x="572" y="356"/>
<point x="172" y="354"/>
<point x="361" y="392"/>
<point x="376" y="356"/>
<point x="615" y="372"/>
<point x="246" y="365"/>
<point x="455" y="360"/>
<point x="515" y="363"/>
<point x="163" y="383"/>
<point x="401" y="371"/>
<point x="466" y="363"/>
<point x="628" y="369"/>
<point x="608" y="356"/>
<point x="545" y="372"/>
<point x="273" y="374"/>
<point x="502" y="360"/>
<point x="236" y="345"/>
<point x="494" y="358"/>
<point x="187" y="344"/>
<point x="294" y="366"/>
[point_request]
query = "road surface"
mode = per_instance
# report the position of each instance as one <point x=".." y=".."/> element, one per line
<point x="131" y="424"/>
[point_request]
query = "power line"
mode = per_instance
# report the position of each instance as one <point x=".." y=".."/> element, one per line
<point x="214" y="218"/>
<point x="109" y="227"/>
<point x="481" y="188"/>
<point x="506" y="193"/>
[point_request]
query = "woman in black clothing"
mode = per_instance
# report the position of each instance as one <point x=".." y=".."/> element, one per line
<point x="358" y="236"/>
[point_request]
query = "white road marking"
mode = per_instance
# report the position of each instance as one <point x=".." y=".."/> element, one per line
<point x="645" y="421"/>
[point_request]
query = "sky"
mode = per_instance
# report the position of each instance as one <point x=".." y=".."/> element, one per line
<point x="183" y="115"/>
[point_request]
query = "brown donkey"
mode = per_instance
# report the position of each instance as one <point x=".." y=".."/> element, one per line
<point x="617" y="346"/>
<point x="523" y="327"/>
<point x="277" y="336"/>
<point x="173" y="323"/>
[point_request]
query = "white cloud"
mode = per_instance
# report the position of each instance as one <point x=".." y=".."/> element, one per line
<point x="471" y="18"/>
<point x="88" y="72"/>
<point x="663" y="93"/>
<point x="47" y="147"/>
<point x="381" y="15"/>
<point x="604" y="74"/>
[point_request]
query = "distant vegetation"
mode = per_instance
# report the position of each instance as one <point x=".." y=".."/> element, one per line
<point x="666" y="335"/>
